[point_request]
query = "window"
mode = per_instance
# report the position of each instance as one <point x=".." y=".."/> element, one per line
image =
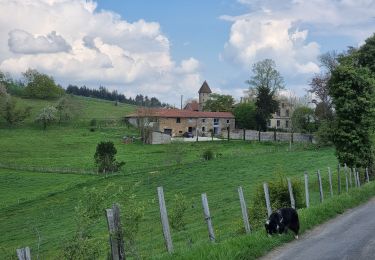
<point x="216" y="121"/>
<point x="203" y="129"/>
<point x="180" y="132"/>
<point x="287" y="112"/>
<point x="203" y="120"/>
<point x="282" y="105"/>
<point x="278" y="112"/>
<point x="287" y="124"/>
<point x="178" y="120"/>
<point x="269" y="123"/>
<point x="228" y="121"/>
<point x="278" y="123"/>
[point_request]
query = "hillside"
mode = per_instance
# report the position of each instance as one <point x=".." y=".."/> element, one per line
<point x="85" y="108"/>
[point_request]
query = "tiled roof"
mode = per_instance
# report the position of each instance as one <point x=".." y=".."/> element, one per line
<point x="205" y="88"/>
<point x="179" y="113"/>
<point x="192" y="106"/>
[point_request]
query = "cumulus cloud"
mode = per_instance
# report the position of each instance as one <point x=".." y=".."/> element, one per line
<point x="76" y="43"/>
<point x="280" y="30"/>
<point x="25" y="43"/>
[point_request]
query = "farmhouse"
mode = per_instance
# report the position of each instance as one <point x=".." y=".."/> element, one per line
<point x="176" y="122"/>
<point x="281" y="119"/>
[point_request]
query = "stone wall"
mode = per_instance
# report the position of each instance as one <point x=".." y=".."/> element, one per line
<point x="160" y="138"/>
<point x="252" y="135"/>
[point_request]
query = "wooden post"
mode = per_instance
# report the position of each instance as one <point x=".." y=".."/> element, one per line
<point x="164" y="221"/>
<point x="346" y="178"/>
<point x="307" y="190"/>
<point x="23" y="253"/>
<point x="267" y="197"/>
<point x="355" y="178"/>
<point x="244" y="210"/>
<point x="259" y="135"/>
<point x="116" y="237"/>
<point x="330" y="181"/>
<point x="320" y="187"/>
<point x="367" y="176"/>
<point x="207" y="217"/>
<point x="338" y="179"/>
<point x="290" y="188"/>
<point x="358" y="179"/>
<point x="350" y="177"/>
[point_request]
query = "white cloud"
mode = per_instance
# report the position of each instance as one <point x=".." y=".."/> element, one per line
<point x="281" y="30"/>
<point x="25" y="43"/>
<point x="76" y="43"/>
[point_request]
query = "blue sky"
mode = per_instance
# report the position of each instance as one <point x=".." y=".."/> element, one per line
<point x="167" y="48"/>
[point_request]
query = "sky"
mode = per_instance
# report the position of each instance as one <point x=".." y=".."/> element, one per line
<point x="167" y="48"/>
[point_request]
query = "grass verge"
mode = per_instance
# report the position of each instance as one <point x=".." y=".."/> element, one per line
<point x="258" y="243"/>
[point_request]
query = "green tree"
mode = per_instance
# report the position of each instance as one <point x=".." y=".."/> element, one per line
<point x="304" y="120"/>
<point x="245" y="116"/>
<point x="41" y="86"/>
<point x="66" y="108"/>
<point x="9" y="110"/>
<point x="46" y="116"/>
<point x="105" y="157"/>
<point x="352" y="90"/>
<point x="219" y="103"/>
<point x="265" y="82"/>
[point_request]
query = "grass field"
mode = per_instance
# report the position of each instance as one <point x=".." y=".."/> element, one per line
<point x="37" y="203"/>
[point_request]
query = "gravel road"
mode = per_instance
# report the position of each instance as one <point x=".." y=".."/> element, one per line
<point x="349" y="236"/>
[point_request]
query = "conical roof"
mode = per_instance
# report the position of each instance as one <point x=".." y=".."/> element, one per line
<point x="205" y="88"/>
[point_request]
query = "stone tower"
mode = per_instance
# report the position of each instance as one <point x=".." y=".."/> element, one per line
<point x="204" y="95"/>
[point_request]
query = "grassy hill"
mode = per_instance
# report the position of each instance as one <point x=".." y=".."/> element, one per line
<point x="85" y="108"/>
<point x="36" y="202"/>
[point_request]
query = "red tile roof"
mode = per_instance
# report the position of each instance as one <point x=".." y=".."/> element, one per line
<point x="192" y="106"/>
<point x="179" y="113"/>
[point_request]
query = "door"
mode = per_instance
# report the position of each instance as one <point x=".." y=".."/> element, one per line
<point x="168" y="131"/>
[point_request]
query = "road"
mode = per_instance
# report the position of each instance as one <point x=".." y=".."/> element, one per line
<point x="349" y="236"/>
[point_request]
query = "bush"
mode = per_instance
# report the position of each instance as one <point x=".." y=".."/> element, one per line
<point x="177" y="215"/>
<point x="279" y="196"/>
<point x="208" y="155"/>
<point x="105" y="157"/>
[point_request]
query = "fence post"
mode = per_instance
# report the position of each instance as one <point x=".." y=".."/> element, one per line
<point x="207" y="217"/>
<point x="320" y="187"/>
<point x="290" y="188"/>
<point x="116" y="238"/>
<point x="367" y="176"/>
<point x="346" y="178"/>
<point x="338" y="179"/>
<point x="23" y="253"/>
<point x="355" y="177"/>
<point x="244" y="210"/>
<point x="267" y="197"/>
<point x="164" y="220"/>
<point x="330" y="181"/>
<point x="307" y="190"/>
<point x="350" y="177"/>
<point x="358" y="179"/>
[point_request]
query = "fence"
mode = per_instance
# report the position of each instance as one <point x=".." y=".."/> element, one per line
<point x="325" y="182"/>
<point x="252" y="135"/>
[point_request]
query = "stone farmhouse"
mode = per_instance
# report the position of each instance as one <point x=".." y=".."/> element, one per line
<point x="191" y="119"/>
<point x="282" y="118"/>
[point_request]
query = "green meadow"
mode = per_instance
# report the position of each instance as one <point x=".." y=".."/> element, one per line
<point x="41" y="181"/>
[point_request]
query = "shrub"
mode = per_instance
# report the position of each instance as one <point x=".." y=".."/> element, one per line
<point x="105" y="157"/>
<point x="208" y="155"/>
<point x="93" y="122"/>
<point x="279" y="196"/>
<point x="177" y="215"/>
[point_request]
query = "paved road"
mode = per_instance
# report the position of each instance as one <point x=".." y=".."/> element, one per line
<point x="349" y="236"/>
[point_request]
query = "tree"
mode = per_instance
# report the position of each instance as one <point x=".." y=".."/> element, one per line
<point x="303" y="120"/>
<point x="265" y="106"/>
<point x="41" y="86"/>
<point x="351" y="87"/>
<point x="46" y="116"/>
<point x="219" y="103"/>
<point x="9" y="110"/>
<point x="245" y="116"/>
<point x="265" y="83"/>
<point x="66" y="108"/>
<point x="266" y="75"/>
<point x="105" y="157"/>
